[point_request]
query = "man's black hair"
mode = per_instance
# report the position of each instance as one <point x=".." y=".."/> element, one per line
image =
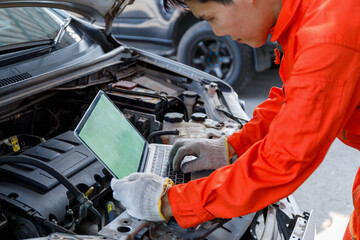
<point x="182" y="3"/>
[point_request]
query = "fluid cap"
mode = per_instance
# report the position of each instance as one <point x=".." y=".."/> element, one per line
<point x="198" y="117"/>
<point x="174" y="117"/>
<point x="190" y="94"/>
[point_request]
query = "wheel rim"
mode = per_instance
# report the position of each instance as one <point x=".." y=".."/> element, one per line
<point x="212" y="56"/>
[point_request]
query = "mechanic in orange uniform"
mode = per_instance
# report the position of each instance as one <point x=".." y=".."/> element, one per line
<point x="292" y="130"/>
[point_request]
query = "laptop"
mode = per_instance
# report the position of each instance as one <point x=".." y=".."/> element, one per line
<point x="107" y="133"/>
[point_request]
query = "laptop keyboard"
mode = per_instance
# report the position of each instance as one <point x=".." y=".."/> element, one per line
<point x="162" y="168"/>
<point x="178" y="177"/>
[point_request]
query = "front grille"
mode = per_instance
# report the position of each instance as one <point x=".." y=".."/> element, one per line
<point x="14" y="79"/>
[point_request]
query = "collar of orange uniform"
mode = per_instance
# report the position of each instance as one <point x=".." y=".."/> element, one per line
<point x="285" y="18"/>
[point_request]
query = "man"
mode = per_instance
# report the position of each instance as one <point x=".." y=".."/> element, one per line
<point x="290" y="132"/>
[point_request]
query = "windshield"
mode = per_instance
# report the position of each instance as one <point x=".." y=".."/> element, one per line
<point x="21" y="25"/>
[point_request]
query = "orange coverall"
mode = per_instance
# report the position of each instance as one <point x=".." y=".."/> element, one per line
<point x="292" y="130"/>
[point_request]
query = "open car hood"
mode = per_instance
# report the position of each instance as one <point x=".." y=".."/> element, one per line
<point x="91" y="9"/>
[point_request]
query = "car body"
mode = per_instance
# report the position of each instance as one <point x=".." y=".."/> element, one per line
<point x="51" y="66"/>
<point x="147" y="25"/>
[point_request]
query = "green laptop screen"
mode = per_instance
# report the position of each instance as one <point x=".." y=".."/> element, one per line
<point x="112" y="138"/>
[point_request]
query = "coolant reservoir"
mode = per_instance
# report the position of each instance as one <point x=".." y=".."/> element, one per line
<point x="174" y="121"/>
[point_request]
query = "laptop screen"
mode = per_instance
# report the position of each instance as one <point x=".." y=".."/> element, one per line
<point x="108" y="134"/>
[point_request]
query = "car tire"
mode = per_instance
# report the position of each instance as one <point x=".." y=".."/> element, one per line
<point x="222" y="57"/>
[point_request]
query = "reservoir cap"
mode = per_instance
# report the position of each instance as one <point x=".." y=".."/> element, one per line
<point x="174" y="117"/>
<point x="198" y="117"/>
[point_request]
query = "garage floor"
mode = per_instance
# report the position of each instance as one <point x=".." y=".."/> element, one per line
<point x="328" y="190"/>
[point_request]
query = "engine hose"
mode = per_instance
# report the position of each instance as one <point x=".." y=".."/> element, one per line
<point x="46" y="168"/>
<point x="186" y="114"/>
<point x="79" y="196"/>
<point x="162" y="132"/>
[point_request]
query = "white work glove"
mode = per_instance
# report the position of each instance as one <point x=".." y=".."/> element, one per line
<point x="141" y="193"/>
<point x="209" y="154"/>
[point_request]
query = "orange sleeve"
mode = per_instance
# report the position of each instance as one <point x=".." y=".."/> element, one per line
<point x="320" y="96"/>
<point x="258" y="127"/>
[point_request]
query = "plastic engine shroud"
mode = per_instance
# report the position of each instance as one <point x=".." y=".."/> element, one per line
<point x="32" y="189"/>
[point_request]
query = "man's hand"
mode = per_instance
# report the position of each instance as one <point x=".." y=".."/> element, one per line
<point x="210" y="154"/>
<point x="141" y="194"/>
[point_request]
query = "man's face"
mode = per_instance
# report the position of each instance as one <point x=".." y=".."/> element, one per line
<point x="245" y="21"/>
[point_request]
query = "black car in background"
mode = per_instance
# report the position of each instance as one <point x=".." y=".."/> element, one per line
<point x="146" y="25"/>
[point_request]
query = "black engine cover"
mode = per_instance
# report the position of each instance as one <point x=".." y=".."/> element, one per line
<point x="38" y="193"/>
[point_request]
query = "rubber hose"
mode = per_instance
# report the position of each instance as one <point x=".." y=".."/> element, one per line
<point x="162" y="132"/>
<point x="37" y="163"/>
<point x="63" y="180"/>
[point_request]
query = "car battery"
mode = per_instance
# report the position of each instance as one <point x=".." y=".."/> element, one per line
<point x="138" y="99"/>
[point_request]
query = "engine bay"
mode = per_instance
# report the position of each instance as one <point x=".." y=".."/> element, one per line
<point x="33" y="202"/>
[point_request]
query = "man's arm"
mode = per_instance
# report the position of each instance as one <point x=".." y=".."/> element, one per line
<point x="258" y="127"/>
<point x="321" y="95"/>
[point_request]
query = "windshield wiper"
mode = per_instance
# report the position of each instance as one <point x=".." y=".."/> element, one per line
<point x="61" y="32"/>
<point x="49" y="43"/>
<point x="11" y="53"/>
<point x="24" y="46"/>
<point x="23" y="52"/>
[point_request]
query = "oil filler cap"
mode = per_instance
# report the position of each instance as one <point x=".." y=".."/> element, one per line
<point x="174" y="117"/>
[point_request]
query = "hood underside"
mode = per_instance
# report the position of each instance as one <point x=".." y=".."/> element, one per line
<point x="91" y="9"/>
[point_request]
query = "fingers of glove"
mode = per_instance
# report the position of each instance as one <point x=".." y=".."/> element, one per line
<point x="115" y="183"/>
<point x="188" y="167"/>
<point x="134" y="176"/>
<point x="180" y="155"/>
<point x="190" y="164"/>
<point x="118" y="195"/>
<point x="178" y="144"/>
<point x="121" y="187"/>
